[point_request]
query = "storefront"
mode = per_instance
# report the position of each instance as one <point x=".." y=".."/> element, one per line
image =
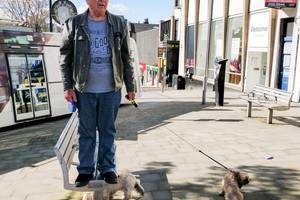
<point x="260" y="43"/>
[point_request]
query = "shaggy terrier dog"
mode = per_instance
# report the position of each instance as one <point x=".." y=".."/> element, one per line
<point x="127" y="183"/>
<point x="231" y="184"/>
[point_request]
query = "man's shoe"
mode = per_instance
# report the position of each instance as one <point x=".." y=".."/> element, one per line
<point x="83" y="180"/>
<point x="110" y="177"/>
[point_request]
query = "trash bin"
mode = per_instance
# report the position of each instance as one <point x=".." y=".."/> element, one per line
<point x="220" y="66"/>
<point x="180" y="83"/>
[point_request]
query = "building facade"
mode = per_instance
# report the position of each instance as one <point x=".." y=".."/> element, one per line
<point x="260" y="43"/>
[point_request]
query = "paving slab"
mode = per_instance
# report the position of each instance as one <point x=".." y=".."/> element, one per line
<point x="159" y="142"/>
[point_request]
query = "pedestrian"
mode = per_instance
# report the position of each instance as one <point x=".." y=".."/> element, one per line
<point x="94" y="63"/>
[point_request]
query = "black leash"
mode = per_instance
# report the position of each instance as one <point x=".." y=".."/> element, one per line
<point x="133" y="102"/>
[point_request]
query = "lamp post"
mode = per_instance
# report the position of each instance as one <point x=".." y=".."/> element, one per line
<point x="50" y="13"/>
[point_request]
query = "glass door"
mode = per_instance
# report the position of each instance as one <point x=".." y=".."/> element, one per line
<point x="38" y="85"/>
<point x="29" y="86"/>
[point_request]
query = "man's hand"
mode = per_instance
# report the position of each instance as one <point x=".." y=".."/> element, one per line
<point x="70" y="95"/>
<point x="130" y="96"/>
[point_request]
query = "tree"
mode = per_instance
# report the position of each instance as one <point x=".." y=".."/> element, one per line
<point x="30" y="13"/>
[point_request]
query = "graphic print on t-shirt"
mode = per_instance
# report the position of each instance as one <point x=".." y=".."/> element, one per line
<point x="100" y="77"/>
<point x="100" y="49"/>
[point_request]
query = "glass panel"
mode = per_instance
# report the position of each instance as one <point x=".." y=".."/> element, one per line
<point x="216" y="45"/>
<point x="234" y="50"/>
<point x="20" y="85"/>
<point x="38" y="85"/>
<point x="202" y="48"/>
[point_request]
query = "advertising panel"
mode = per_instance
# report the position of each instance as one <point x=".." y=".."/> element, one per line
<point x="4" y="87"/>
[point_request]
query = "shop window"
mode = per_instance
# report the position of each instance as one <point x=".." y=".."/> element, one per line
<point x="234" y="50"/>
<point x="202" y="48"/>
<point x="190" y="46"/>
<point x="216" y="45"/>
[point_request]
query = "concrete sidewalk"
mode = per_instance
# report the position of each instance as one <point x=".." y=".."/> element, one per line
<point x="151" y="144"/>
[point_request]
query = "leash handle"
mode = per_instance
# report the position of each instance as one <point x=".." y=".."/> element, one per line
<point x="133" y="102"/>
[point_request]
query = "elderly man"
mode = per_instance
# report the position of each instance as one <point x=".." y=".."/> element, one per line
<point x="94" y="63"/>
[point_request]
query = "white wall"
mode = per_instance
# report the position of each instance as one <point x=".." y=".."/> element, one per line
<point x="147" y="43"/>
<point x="236" y="7"/>
<point x="296" y="96"/>
<point x="218" y="9"/>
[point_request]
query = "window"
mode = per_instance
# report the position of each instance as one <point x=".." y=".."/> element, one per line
<point x="202" y="48"/>
<point x="234" y="50"/>
<point x="216" y="45"/>
<point x="176" y="29"/>
<point x="177" y="3"/>
<point x="190" y="46"/>
<point x="165" y="30"/>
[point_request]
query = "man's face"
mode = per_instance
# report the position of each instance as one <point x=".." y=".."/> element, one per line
<point x="98" y="6"/>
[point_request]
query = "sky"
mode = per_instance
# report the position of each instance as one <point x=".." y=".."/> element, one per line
<point x="136" y="10"/>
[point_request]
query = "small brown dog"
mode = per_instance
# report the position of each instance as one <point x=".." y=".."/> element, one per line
<point x="231" y="184"/>
<point x="127" y="183"/>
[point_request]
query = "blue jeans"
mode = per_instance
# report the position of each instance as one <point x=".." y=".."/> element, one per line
<point x="97" y="111"/>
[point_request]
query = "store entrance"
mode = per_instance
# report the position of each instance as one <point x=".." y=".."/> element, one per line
<point x="28" y="84"/>
<point x="285" y="58"/>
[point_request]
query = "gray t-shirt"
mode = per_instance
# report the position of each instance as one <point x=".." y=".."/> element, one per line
<point x="100" y="78"/>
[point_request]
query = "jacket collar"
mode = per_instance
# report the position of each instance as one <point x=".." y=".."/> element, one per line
<point x="84" y="18"/>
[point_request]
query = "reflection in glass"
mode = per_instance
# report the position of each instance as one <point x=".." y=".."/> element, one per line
<point x="20" y="85"/>
<point x="216" y="45"/>
<point x="234" y="50"/>
<point x="202" y="48"/>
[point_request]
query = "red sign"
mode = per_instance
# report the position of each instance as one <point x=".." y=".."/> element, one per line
<point x="280" y="3"/>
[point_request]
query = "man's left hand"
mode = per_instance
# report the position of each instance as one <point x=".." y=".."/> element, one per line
<point x="131" y="96"/>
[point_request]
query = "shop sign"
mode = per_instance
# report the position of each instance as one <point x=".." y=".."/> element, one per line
<point x="280" y="3"/>
<point x="161" y="51"/>
<point x="259" y="30"/>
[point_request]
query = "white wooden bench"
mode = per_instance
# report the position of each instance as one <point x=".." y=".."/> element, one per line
<point x="271" y="98"/>
<point x="65" y="149"/>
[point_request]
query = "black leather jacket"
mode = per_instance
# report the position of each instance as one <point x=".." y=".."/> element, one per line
<point x="75" y="52"/>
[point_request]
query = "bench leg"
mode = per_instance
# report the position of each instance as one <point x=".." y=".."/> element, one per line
<point x="249" y="107"/>
<point x="270" y="116"/>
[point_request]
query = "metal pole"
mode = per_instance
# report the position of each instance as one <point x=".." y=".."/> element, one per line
<point x="50" y="15"/>
<point x="210" y="12"/>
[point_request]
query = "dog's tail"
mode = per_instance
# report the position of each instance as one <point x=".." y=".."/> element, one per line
<point x="139" y="188"/>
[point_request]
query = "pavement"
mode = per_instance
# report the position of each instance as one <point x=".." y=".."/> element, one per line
<point x="159" y="142"/>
